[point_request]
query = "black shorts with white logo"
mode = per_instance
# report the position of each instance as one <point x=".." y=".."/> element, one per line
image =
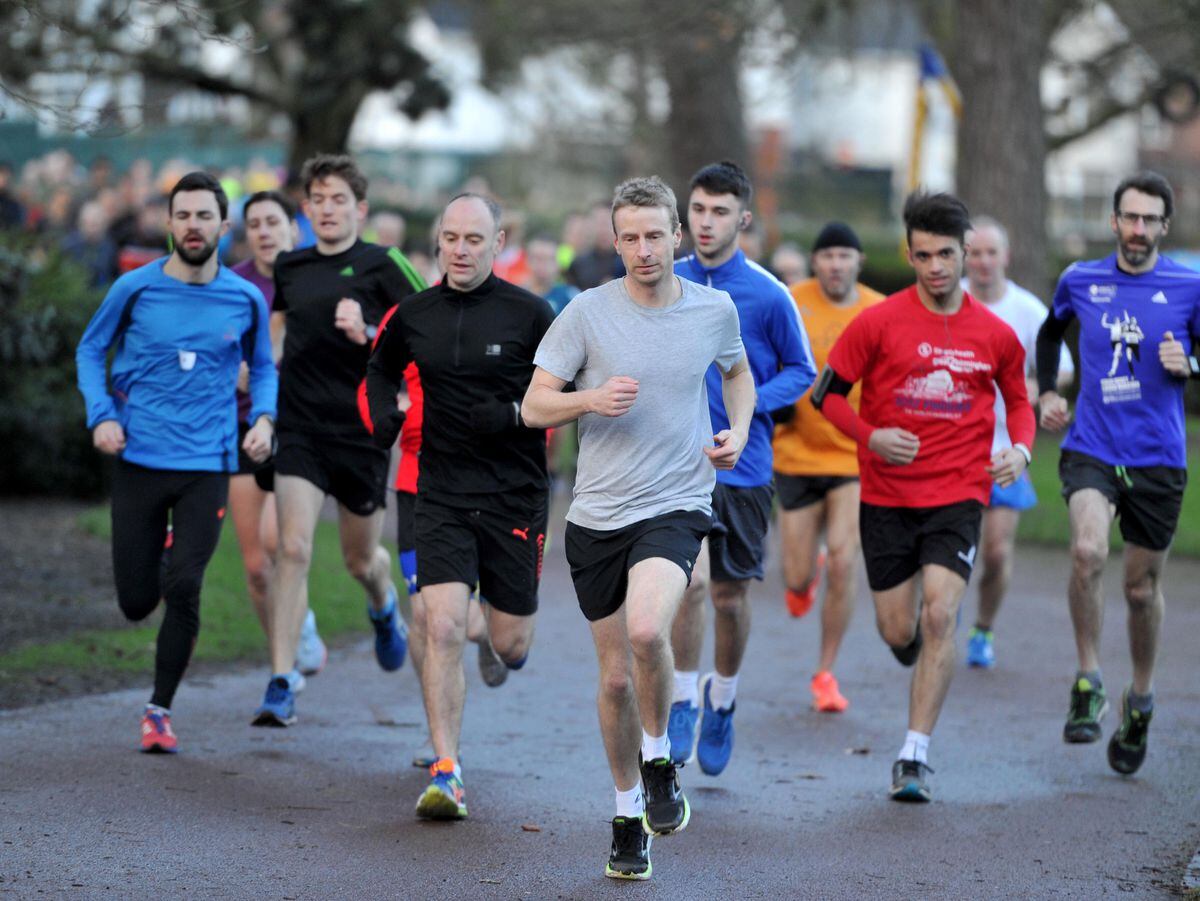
<point x="1148" y="498"/>
<point x="353" y="472"/>
<point x="600" y="559"/>
<point x="797" y="492"/>
<point x="898" y="541"/>
<point x="737" y="542"/>
<point x="496" y="540"/>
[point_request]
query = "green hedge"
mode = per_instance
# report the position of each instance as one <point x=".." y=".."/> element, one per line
<point x="45" y="304"/>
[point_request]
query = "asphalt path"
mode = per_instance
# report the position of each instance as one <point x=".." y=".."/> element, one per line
<point x="325" y="809"/>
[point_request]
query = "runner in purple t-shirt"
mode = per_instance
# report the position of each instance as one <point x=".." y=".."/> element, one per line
<point x="270" y="220"/>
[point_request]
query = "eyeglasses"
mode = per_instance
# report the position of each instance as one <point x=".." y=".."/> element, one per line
<point x="1148" y="219"/>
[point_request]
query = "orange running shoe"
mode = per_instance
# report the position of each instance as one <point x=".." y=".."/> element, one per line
<point x="157" y="737"/>
<point x="800" y="602"/>
<point x="826" y="696"/>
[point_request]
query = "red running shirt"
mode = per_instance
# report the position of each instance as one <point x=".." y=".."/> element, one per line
<point x="410" y="430"/>
<point x="935" y="376"/>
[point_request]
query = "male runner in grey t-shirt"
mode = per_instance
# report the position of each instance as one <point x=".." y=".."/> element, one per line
<point x="637" y="349"/>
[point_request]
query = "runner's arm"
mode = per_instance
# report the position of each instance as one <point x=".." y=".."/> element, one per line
<point x="830" y="396"/>
<point x="92" y="353"/>
<point x="1010" y="379"/>
<point x="738" y="395"/>
<point x="547" y="406"/>
<point x="385" y="377"/>
<point x="264" y="378"/>
<point x="796" y="369"/>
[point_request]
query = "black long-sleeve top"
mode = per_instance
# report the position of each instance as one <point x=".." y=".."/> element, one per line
<point x="474" y="350"/>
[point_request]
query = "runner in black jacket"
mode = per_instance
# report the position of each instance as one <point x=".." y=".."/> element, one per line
<point x="483" y="491"/>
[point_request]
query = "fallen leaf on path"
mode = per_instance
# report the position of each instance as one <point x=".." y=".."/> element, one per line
<point x="529" y="827"/>
<point x="858" y="750"/>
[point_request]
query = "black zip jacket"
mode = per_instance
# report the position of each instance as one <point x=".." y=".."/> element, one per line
<point x="474" y="350"/>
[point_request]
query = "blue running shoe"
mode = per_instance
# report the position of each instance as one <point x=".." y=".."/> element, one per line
<point x="981" y="651"/>
<point x="716" y="733"/>
<point x="910" y="782"/>
<point x="681" y="730"/>
<point x="391" y="634"/>
<point x="278" y="706"/>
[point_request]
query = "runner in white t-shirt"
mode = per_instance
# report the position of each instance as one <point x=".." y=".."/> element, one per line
<point x="987" y="260"/>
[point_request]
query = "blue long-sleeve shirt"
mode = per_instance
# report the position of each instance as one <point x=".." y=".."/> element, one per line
<point x="178" y="350"/>
<point x="777" y="349"/>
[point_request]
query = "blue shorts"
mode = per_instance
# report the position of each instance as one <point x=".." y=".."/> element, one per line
<point x="1017" y="496"/>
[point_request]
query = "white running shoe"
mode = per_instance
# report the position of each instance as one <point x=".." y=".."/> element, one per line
<point x="311" y="653"/>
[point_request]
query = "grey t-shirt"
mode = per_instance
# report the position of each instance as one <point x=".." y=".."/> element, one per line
<point x="650" y="460"/>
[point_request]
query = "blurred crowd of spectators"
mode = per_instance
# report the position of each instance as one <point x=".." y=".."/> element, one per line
<point x="110" y="222"/>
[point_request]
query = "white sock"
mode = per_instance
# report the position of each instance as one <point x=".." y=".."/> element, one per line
<point x="630" y="803"/>
<point x="655" y="748"/>
<point x="916" y="747"/>
<point x="722" y="691"/>
<point x="686" y="687"/>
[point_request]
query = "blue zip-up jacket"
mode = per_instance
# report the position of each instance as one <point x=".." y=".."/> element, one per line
<point x="178" y="347"/>
<point x="776" y="346"/>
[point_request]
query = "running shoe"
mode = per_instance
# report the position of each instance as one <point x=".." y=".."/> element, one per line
<point x="391" y="634"/>
<point x="681" y="730"/>
<point x="491" y="667"/>
<point x="1089" y="703"/>
<point x="444" y="798"/>
<point x="667" y="808"/>
<point x="278" y="706"/>
<point x="157" y="735"/>
<point x="630" y="854"/>
<point x="981" y="651"/>
<point x="909" y="783"/>
<point x="800" y="602"/>
<point x="1127" y="748"/>
<point x="715" y="744"/>
<point x="311" y="653"/>
<point x="296" y="681"/>
<point x="827" y="697"/>
<point x="908" y="654"/>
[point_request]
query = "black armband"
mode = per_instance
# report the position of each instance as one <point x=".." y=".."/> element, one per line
<point x="783" y="415"/>
<point x="829" y="382"/>
<point x="1049" y="348"/>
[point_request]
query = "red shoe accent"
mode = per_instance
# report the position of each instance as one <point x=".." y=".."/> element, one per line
<point x="827" y="698"/>
<point x="800" y="602"/>
<point x="157" y="735"/>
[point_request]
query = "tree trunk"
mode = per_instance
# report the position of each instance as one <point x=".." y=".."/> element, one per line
<point x="997" y="52"/>
<point x="323" y="127"/>
<point x="701" y="64"/>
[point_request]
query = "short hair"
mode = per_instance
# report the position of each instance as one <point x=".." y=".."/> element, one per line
<point x="493" y="208"/>
<point x="323" y="165"/>
<point x="978" y="222"/>
<point x="725" y="177"/>
<point x="285" y="203"/>
<point x="939" y="214"/>
<point x="1147" y="182"/>
<point x="645" y="191"/>
<point x="200" y="181"/>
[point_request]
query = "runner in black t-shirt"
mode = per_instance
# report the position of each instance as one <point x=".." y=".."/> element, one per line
<point x="482" y="491"/>
<point x="330" y="298"/>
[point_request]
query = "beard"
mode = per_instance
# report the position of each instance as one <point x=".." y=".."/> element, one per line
<point x="199" y="256"/>
<point x="1136" y="254"/>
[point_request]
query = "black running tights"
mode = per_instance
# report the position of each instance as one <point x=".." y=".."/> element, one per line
<point x="143" y="500"/>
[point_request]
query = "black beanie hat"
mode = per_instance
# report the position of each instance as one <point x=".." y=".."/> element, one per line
<point x="836" y="234"/>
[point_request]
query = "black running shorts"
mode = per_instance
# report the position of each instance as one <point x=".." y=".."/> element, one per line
<point x="796" y="492"/>
<point x="353" y="472"/>
<point x="497" y="541"/>
<point x="1147" y="498"/>
<point x="898" y="541"/>
<point x="600" y="559"/>
<point x="737" y="542"/>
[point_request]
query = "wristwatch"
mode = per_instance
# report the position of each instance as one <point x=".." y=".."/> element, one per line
<point x="1024" y="452"/>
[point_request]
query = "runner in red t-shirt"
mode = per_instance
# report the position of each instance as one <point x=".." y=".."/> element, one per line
<point x="929" y="359"/>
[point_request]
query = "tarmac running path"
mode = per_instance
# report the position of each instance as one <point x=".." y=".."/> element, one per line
<point x="325" y="809"/>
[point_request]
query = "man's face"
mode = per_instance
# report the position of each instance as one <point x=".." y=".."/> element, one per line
<point x="468" y="243"/>
<point x="268" y="231"/>
<point x="646" y="242"/>
<point x="987" y="257"/>
<point x="714" y="221"/>
<point x="542" y="259"/>
<point x="937" y="261"/>
<point x="1138" y="239"/>
<point x="836" y="269"/>
<point x="335" y="214"/>
<point x="196" y="226"/>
